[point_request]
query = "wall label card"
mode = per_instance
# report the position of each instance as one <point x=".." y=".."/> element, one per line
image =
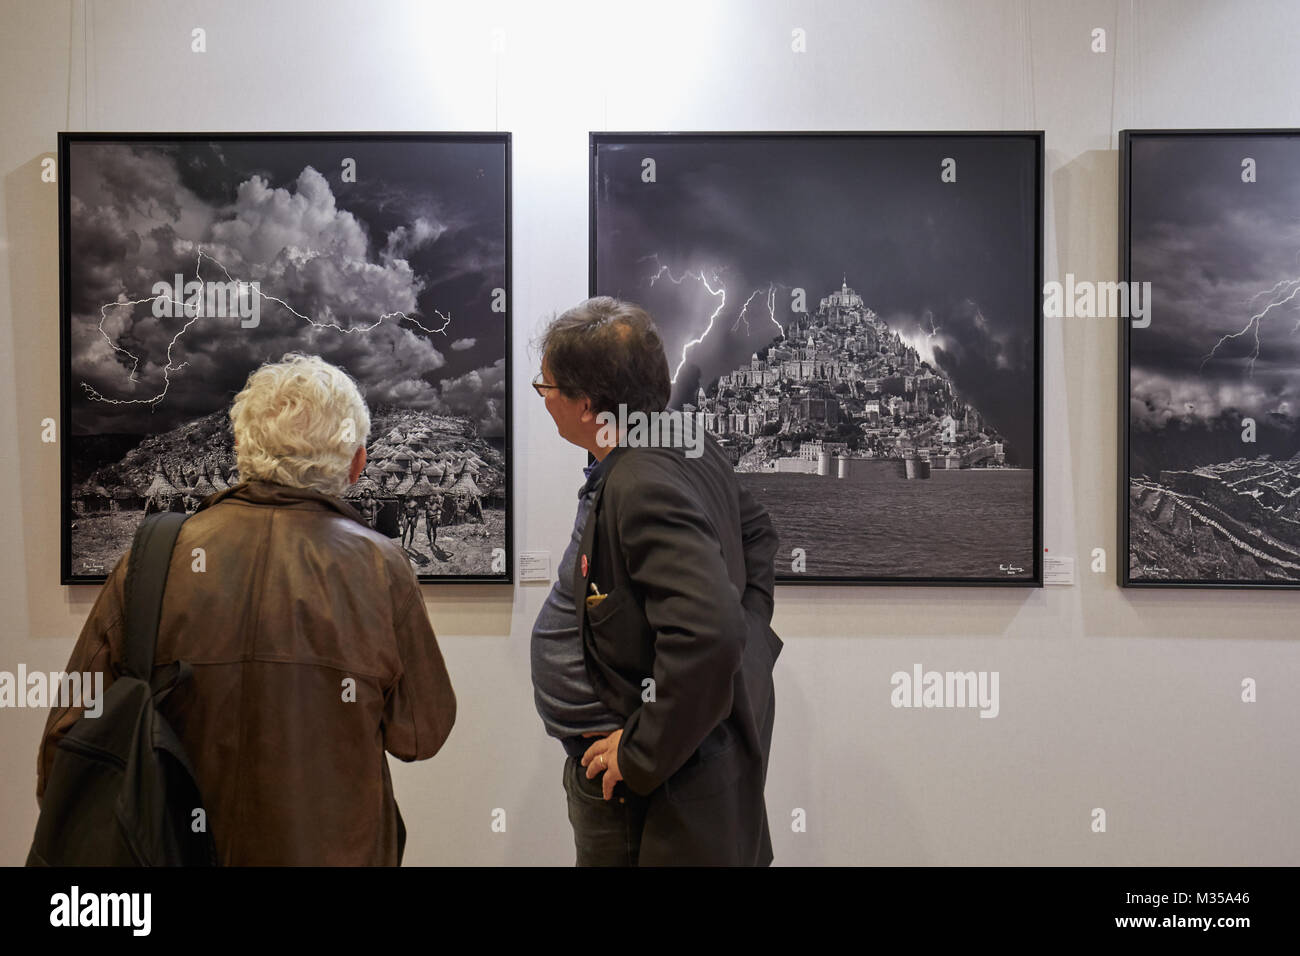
<point x="535" y="566"/>
<point x="1058" y="571"/>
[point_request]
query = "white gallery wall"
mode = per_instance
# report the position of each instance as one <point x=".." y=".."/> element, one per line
<point x="1129" y="701"/>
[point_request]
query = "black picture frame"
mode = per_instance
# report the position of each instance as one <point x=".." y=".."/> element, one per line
<point x="1031" y="301"/>
<point x="499" y="493"/>
<point x="1129" y="141"/>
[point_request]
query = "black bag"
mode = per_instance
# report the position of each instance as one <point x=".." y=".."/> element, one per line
<point x="121" y="791"/>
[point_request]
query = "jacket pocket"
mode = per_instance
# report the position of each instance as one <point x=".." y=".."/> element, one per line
<point x="707" y="776"/>
<point x="614" y="602"/>
<point x="621" y="635"/>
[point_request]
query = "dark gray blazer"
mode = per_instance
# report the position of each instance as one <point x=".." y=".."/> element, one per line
<point x="685" y="556"/>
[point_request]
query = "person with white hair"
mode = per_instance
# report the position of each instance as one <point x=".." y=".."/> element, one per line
<point x="310" y="645"/>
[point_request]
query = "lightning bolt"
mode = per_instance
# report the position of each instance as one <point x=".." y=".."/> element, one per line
<point x="720" y="293"/>
<point x="153" y="400"/>
<point x="1279" y="285"/>
<point x="446" y="319"/>
<point x="1253" y="323"/>
<point x="769" y="299"/>
<point x="743" y="309"/>
<point x="934" y="329"/>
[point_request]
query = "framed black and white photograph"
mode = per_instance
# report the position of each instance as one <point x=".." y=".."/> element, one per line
<point x="1210" y="374"/>
<point x="857" y="319"/>
<point x="386" y="254"/>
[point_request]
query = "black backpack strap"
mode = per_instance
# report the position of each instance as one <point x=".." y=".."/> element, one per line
<point x="146" y="577"/>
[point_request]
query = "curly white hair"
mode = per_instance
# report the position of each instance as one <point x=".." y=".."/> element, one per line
<point x="299" y="422"/>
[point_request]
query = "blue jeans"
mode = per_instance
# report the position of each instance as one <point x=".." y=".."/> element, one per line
<point x="605" y="832"/>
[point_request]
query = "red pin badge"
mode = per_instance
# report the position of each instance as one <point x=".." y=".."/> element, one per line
<point x="584" y="565"/>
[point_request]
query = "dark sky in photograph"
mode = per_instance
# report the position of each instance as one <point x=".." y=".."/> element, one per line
<point x="1223" y="258"/>
<point x="421" y="231"/>
<point x="811" y="212"/>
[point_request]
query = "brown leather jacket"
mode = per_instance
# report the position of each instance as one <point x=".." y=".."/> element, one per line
<point x="298" y="595"/>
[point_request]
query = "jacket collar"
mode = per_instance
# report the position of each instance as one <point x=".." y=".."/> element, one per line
<point x="598" y="469"/>
<point x="270" y="493"/>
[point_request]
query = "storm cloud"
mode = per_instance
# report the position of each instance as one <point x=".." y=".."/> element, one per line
<point x="420" y="233"/>
<point x="1223" y="259"/>
<point x="750" y="220"/>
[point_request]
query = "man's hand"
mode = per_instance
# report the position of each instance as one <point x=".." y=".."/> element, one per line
<point x="602" y="757"/>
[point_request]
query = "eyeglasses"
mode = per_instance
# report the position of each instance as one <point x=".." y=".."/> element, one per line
<point x="540" y="387"/>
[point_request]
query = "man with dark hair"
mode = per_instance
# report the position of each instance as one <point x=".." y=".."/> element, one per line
<point x="613" y="349"/>
<point x="656" y="638"/>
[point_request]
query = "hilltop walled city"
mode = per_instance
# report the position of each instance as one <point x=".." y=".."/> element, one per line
<point x="841" y="388"/>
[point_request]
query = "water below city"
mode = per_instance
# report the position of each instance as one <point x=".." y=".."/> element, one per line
<point x="878" y="524"/>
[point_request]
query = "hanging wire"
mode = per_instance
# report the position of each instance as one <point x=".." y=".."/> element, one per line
<point x="1028" y="62"/>
<point x="85" y="63"/>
